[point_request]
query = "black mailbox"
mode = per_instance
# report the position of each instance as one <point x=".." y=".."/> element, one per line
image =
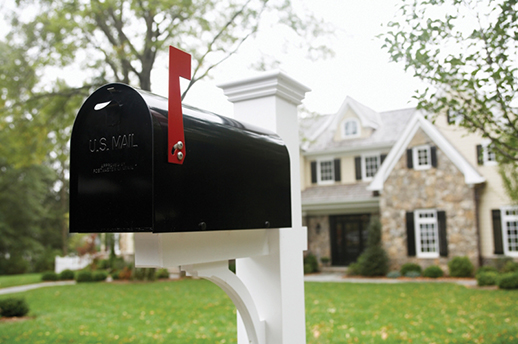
<point x="234" y="176"/>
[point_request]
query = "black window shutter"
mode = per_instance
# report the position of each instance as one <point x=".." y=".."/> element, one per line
<point x="449" y="117"/>
<point x="433" y="153"/>
<point x="358" y="167"/>
<point x="338" y="175"/>
<point x="443" y="237"/>
<point x="409" y="158"/>
<point x="382" y="158"/>
<point x="480" y="155"/>
<point x="313" y="172"/>
<point x="410" y="233"/>
<point x="497" y="231"/>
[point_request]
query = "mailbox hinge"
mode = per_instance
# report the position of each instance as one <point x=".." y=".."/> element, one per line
<point x="179" y="66"/>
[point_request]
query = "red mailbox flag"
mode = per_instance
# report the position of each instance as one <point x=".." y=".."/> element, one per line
<point x="179" y="66"/>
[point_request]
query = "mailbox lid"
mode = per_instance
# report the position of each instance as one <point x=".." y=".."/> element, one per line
<point x="111" y="163"/>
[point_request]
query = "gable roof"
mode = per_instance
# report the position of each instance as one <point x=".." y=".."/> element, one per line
<point x="471" y="176"/>
<point x="317" y="133"/>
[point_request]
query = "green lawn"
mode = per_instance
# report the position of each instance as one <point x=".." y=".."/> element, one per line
<point x="13" y="280"/>
<point x="196" y="311"/>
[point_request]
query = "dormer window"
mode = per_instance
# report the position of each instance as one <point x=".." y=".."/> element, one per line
<point x="351" y="128"/>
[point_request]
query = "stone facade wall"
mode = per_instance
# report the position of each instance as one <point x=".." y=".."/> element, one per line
<point x="319" y="241"/>
<point x="441" y="188"/>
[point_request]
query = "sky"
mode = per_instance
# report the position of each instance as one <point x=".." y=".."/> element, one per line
<point x="360" y="68"/>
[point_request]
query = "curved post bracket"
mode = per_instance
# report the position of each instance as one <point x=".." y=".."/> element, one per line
<point x="219" y="274"/>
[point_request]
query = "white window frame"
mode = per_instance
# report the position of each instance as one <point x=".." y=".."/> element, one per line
<point x="415" y="157"/>
<point x="505" y="235"/>
<point x="417" y="229"/>
<point x="364" y="165"/>
<point x="358" y="128"/>
<point x="485" y="154"/>
<point x="319" y="171"/>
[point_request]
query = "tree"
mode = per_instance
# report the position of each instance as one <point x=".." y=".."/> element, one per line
<point x="467" y="51"/>
<point x="110" y="41"/>
<point x="374" y="260"/>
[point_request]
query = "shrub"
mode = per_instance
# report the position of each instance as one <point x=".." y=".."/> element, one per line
<point x="84" y="276"/>
<point x="126" y="273"/>
<point x="433" y="271"/>
<point x="487" y="278"/>
<point x="115" y="274"/>
<point x="15" y="265"/>
<point x="374" y="260"/>
<point x="67" y="275"/>
<point x="394" y="274"/>
<point x="312" y="263"/>
<point x="508" y="281"/>
<point x="49" y="276"/>
<point x="98" y="276"/>
<point x="410" y="267"/>
<point x="164" y="273"/>
<point x="487" y="268"/>
<point x="325" y="260"/>
<point x="150" y="274"/>
<point x="353" y="269"/>
<point x="460" y="267"/>
<point x="139" y="274"/>
<point x="413" y="274"/>
<point x="13" y="307"/>
<point x="510" y="266"/>
<point x="45" y="261"/>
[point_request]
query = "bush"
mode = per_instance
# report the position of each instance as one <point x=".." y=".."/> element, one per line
<point x="353" y="269"/>
<point x="487" y="268"/>
<point x="150" y="274"/>
<point x="126" y="273"/>
<point x="510" y="266"/>
<point x="460" y="267"/>
<point x="49" y="276"/>
<point x="508" y="281"/>
<point x="164" y="273"/>
<point x="394" y="274"/>
<point x="374" y="260"/>
<point x="14" y="265"/>
<point x="413" y="274"/>
<point x="84" y="276"/>
<point x="485" y="278"/>
<point x="67" y="275"/>
<point x="410" y="267"/>
<point x="139" y="274"/>
<point x="310" y="263"/>
<point x="115" y="274"/>
<point x="45" y="261"/>
<point x="13" y="307"/>
<point x="433" y="271"/>
<point x="98" y="276"/>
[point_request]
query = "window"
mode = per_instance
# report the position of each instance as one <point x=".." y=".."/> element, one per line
<point x="370" y="166"/>
<point x="427" y="236"/>
<point x="455" y="117"/>
<point x="325" y="171"/>
<point x="426" y="233"/>
<point x="486" y="154"/>
<point x="351" y="128"/>
<point x="510" y="230"/>
<point x="422" y="157"/>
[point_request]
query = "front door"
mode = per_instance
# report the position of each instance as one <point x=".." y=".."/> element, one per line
<point x="348" y="237"/>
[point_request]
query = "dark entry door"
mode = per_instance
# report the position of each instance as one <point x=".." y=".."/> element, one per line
<point x="348" y="237"/>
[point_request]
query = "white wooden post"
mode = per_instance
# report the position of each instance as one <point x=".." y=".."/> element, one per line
<point x="276" y="280"/>
<point x="268" y="289"/>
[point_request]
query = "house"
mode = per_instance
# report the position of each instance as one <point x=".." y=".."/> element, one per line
<point x="435" y="187"/>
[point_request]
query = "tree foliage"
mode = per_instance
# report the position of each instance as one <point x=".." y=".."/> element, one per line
<point x="467" y="51"/>
<point x="58" y="51"/>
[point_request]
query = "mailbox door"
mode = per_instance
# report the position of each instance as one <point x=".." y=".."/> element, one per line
<point x="111" y="178"/>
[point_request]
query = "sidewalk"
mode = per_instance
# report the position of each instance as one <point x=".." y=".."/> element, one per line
<point x="339" y="277"/>
<point x="21" y="288"/>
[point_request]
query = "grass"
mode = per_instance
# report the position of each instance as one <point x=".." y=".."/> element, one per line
<point x="196" y="311"/>
<point x="14" y="280"/>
